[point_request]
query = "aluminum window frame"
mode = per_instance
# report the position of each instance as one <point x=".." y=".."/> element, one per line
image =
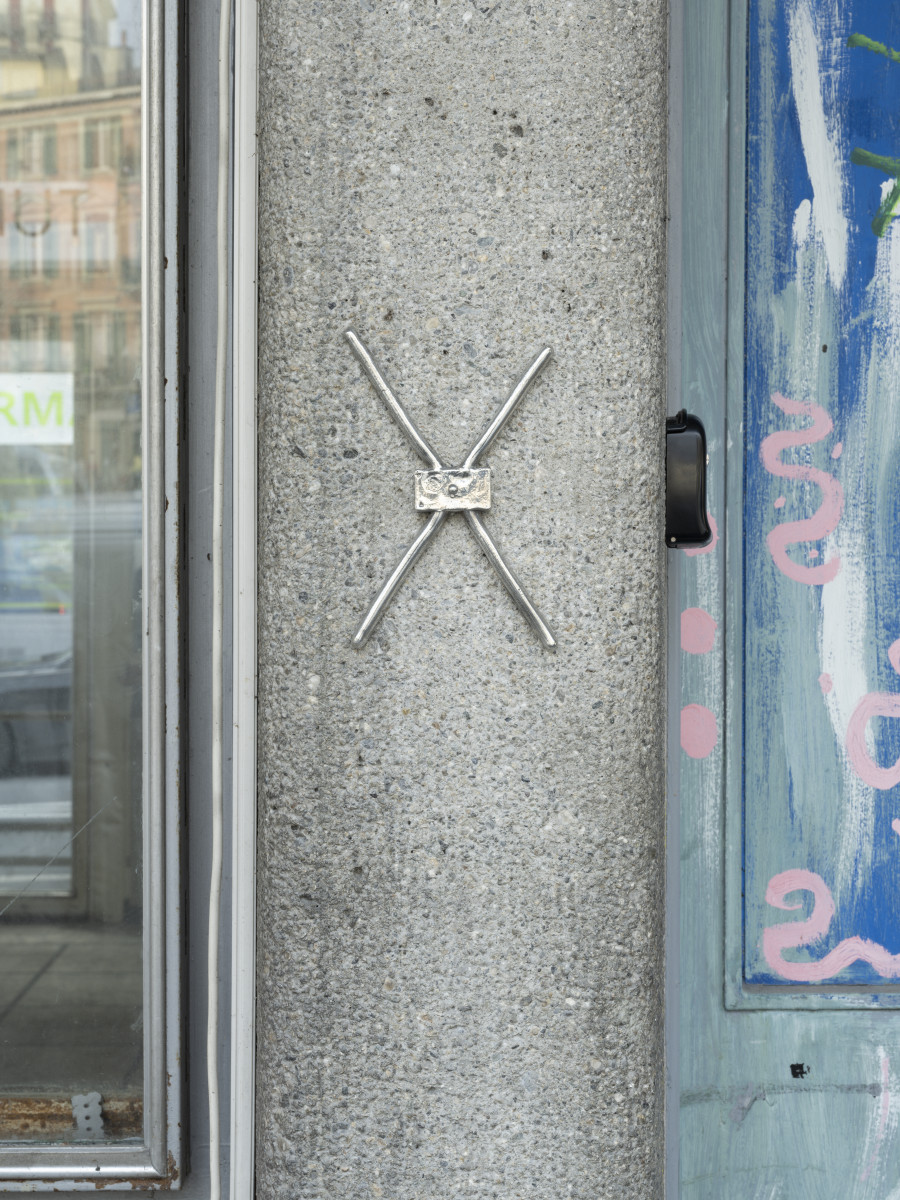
<point x="242" y="1121"/>
<point x="178" y="207"/>
<point x="159" y="1161"/>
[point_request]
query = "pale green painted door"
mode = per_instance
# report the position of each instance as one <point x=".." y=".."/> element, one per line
<point x="784" y="1039"/>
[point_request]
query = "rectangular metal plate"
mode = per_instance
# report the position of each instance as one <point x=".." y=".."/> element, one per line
<point x="453" y="489"/>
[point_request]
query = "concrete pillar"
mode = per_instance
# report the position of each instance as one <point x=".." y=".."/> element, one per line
<point x="460" y="906"/>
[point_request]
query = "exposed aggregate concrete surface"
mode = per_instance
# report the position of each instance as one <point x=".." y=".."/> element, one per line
<point x="460" y="917"/>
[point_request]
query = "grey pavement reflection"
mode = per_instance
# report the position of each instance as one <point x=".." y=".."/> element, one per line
<point x="70" y="1017"/>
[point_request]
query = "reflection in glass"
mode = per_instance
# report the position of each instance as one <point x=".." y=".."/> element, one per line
<point x="70" y="571"/>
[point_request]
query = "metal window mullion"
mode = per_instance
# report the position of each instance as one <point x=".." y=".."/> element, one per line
<point x="172" y="207"/>
<point x="153" y="396"/>
<point x="243" y="565"/>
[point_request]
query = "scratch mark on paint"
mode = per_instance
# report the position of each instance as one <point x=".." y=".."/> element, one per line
<point x="699" y="731"/>
<point x="825" y="519"/>
<point x="745" y="1103"/>
<point x="875" y="704"/>
<point x="794" y="934"/>
<point x="823" y="161"/>
<point x="885" y="1109"/>
<point x="769" y="1091"/>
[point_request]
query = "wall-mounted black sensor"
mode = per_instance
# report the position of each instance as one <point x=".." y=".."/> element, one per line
<point x="687" y="523"/>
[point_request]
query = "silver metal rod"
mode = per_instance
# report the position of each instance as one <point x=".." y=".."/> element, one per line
<point x="507" y="409"/>
<point x="396" y="577"/>
<point x="511" y="582"/>
<point x="391" y="403"/>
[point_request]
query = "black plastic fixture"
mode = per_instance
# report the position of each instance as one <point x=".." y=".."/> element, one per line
<point x="687" y="523"/>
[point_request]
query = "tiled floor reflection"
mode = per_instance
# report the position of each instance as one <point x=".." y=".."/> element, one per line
<point x="70" y="1013"/>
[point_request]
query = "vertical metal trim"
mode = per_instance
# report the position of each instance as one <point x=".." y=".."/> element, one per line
<point x="170" y="1158"/>
<point x="244" y="508"/>
<point x="154" y="590"/>
<point x="734" y="501"/>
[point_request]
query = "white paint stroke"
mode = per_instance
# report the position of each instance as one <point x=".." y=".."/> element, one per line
<point x="843" y="618"/>
<point x="884" y="1110"/>
<point x="767" y="1191"/>
<point x="843" y="631"/>
<point x="802" y="226"/>
<point x="822" y="153"/>
<point x="842" y="650"/>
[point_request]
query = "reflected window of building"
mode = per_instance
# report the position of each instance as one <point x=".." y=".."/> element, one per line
<point x="49" y="165"/>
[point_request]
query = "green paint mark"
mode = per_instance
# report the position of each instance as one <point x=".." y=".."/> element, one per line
<point x="859" y="40"/>
<point x="888" y="208"/>
<point x="864" y="158"/>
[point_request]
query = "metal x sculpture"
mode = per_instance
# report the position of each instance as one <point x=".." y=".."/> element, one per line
<point x="442" y="490"/>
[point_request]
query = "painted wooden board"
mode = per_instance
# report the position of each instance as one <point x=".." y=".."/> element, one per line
<point x="785" y="674"/>
<point x="820" y="635"/>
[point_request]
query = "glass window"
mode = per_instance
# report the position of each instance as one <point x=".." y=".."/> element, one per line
<point x="74" y="930"/>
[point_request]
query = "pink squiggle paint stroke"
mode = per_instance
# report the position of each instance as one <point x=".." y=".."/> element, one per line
<point x="883" y="1116"/>
<point x="875" y="704"/>
<point x="791" y="934"/>
<point x="825" y="519"/>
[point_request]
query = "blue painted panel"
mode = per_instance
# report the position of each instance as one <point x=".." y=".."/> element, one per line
<point x="821" y="512"/>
